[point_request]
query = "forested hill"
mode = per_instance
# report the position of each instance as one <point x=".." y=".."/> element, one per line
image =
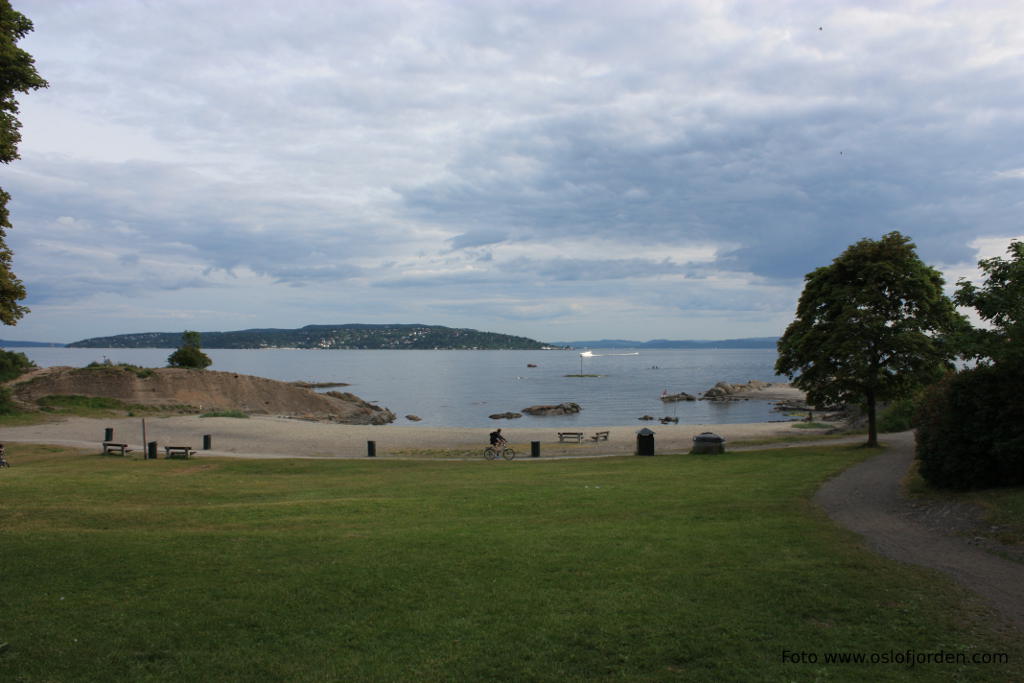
<point x="351" y="336"/>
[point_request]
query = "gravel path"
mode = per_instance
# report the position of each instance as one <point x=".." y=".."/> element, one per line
<point x="868" y="499"/>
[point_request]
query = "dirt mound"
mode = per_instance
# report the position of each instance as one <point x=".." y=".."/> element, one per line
<point x="206" y="390"/>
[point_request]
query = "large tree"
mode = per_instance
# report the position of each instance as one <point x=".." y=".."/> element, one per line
<point x="17" y="75"/>
<point x="872" y="326"/>
<point x="999" y="302"/>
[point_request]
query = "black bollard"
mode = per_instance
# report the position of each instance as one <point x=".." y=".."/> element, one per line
<point x="108" y="434"/>
<point x="207" y="442"/>
<point x="535" y="449"/>
<point x="371" y="449"/>
<point x="151" y="450"/>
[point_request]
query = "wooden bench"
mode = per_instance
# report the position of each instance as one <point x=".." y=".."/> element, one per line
<point x="570" y="436"/>
<point x="600" y="436"/>
<point x="110" y="448"/>
<point x="185" y="452"/>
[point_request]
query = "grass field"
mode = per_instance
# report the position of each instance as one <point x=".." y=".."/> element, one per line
<point x="668" y="568"/>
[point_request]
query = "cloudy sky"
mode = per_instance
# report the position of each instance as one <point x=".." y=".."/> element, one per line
<point x="558" y="169"/>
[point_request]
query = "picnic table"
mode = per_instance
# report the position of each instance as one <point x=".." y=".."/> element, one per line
<point x="185" y="452"/>
<point x="570" y="436"/>
<point x="110" y="448"/>
<point x="600" y="436"/>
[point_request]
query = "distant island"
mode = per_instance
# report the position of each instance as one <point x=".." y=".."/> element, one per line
<point x="8" y="344"/>
<point x="348" y="336"/>
<point x="748" y="343"/>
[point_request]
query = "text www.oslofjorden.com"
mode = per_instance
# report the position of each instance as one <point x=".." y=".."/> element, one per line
<point x="907" y="658"/>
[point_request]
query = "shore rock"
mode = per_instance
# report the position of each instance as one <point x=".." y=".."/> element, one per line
<point x="505" y="416"/>
<point x="560" y="409"/>
<point x="185" y="390"/>
<point x="681" y="396"/>
<point x="413" y="418"/>
<point x="724" y="391"/>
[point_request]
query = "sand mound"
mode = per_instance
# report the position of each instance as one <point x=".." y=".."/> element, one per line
<point x="203" y="389"/>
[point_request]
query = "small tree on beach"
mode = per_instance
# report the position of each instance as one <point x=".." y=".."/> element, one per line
<point x="872" y="326"/>
<point x="189" y="355"/>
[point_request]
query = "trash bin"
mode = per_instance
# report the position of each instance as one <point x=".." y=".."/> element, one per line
<point x="707" y="442"/>
<point x="645" y="442"/>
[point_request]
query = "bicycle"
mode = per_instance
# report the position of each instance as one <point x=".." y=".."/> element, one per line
<point x="504" y="450"/>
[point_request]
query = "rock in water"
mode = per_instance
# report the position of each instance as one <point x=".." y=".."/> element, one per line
<point x="560" y="409"/>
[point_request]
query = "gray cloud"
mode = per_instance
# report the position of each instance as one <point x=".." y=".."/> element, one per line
<point x="318" y="158"/>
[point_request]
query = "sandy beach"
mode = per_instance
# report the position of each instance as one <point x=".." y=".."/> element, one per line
<point x="275" y="437"/>
<point x="263" y="436"/>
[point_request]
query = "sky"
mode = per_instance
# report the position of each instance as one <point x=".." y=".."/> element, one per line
<point x="563" y="170"/>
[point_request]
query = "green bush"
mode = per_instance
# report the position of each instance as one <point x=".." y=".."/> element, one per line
<point x="13" y="364"/>
<point x="898" y="416"/>
<point x="189" y="357"/>
<point x="970" y="430"/>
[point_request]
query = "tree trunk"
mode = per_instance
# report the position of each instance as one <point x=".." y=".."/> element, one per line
<point x="872" y="425"/>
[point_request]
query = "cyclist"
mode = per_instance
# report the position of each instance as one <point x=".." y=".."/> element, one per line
<point x="497" y="440"/>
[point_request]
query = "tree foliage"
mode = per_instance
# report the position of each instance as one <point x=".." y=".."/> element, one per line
<point x="17" y="75"/>
<point x="999" y="302"/>
<point x="189" y="355"/>
<point x="872" y="326"/>
<point x="970" y="428"/>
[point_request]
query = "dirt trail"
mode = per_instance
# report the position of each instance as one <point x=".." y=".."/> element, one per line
<point x="867" y="499"/>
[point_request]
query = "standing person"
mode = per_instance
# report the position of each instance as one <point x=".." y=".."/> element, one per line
<point x="3" y="457"/>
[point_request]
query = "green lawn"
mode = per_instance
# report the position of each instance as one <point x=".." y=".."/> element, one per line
<point x="667" y="568"/>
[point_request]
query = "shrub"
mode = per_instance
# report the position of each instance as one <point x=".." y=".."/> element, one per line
<point x="898" y="416"/>
<point x="189" y="357"/>
<point x="13" y="364"/>
<point x="970" y="430"/>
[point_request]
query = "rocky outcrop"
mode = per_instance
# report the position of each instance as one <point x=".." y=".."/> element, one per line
<point x="199" y="390"/>
<point x="560" y="409"/>
<point x="681" y="396"/>
<point x="724" y="391"/>
<point x="505" y="416"/>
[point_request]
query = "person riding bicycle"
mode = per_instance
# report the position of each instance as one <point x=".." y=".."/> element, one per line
<point x="497" y="440"/>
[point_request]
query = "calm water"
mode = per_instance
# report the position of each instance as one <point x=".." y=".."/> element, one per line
<point x="461" y="388"/>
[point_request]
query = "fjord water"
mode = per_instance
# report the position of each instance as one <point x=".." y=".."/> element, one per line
<point x="462" y="388"/>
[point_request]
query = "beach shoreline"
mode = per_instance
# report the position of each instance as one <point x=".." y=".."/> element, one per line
<point x="280" y="437"/>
